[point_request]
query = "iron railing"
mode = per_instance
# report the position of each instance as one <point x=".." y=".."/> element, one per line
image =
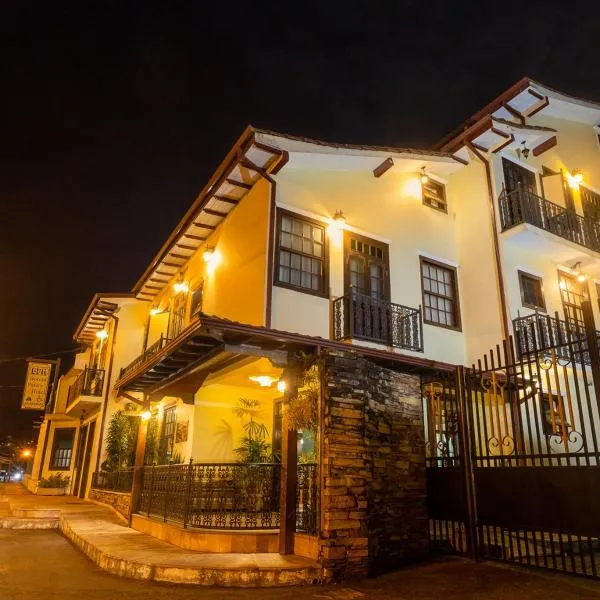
<point x="213" y="495"/>
<point x="541" y="333"/>
<point x="114" y="481"/>
<point x="523" y="206"/>
<point x="361" y="317"/>
<point x="306" y="498"/>
<point x="145" y="356"/>
<point x="90" y="382"/>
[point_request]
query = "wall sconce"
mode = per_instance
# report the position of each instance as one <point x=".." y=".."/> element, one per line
<point x="424" y="176"/>
<point x="524" y="151"/>
<point x="339" y="220"/>
<point x="102" y="334"/>
<point x="181" y="286"/>
<point x="146" y="415"/>
<point x="208" y="254"/>
<point x="579" y="275"/>
<point x="575" y="178"/>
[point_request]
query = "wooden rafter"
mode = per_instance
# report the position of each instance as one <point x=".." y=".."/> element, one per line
<point x="505" y="143"/>
<point x="385" y="166"/>
<point x="514" y="112"/>
<point x="541" y="148"/>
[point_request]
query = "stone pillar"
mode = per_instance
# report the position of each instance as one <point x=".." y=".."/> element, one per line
<point x="374" y="488"/>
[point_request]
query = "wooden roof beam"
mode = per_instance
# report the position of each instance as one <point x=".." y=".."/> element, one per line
<point x="541" y="148"/>
<point x="385" y="166"/>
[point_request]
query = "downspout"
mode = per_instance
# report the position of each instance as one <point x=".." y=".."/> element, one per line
<point x="107" y="392"/>
<point x="270" y="255"/>
<point x="499" y="272"/>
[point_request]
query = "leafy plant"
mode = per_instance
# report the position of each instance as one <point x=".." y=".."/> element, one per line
<point x="302" y="411"/>
<point x="177" y="459"/>
<point x="58" y="480"/>
<point x="119" y="439"/>
<point x="253" y="448"/>
<point x="151" y="455"/>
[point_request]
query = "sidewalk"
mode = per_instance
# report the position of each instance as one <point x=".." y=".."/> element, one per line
<point x="105" y="538"/>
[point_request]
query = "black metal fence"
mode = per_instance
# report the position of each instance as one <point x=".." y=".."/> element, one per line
<point x="523" y="206"/>
<point x="213" y="496"/>
<point x="360" y="317"/>
<point x="90" y="382"/>
<point x="514" y="455"/>
<point x="114" y="481"/>
<point x="306" y="498"/>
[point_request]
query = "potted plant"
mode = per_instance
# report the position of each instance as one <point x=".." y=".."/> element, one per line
<point x="53" y="485"/>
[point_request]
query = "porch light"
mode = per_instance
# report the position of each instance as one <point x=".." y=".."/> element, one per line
<point x="263" y="380"/>
<point x="339" y="219"/>
<point x="281" y="385"/>
<point x="424" y="176"/>
<point x="181" y="286"/>
<point x="208" y="254"/>
<point x="146" y="415"/>
<point x="102" y="334"/>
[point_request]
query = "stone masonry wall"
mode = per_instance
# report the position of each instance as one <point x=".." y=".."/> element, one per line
<point x="374" y="501"/>
<point x="118" y="500"/>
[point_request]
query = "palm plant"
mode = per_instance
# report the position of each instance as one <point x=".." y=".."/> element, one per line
<point x="253" y="448"/>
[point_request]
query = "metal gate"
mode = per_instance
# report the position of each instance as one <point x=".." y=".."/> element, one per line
<point x="513" y="450"/>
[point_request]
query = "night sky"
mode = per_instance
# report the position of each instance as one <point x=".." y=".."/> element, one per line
<point x="114" y="115"/>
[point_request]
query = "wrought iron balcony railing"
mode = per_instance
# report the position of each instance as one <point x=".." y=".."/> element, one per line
<point x="213" y="496"/>
<point x="523" y="206"/>
<point x="360" y="317"/>
<point x="114" y="481"/>
<point x="145" y="356"/>
<point x="90" y="382"/>
<point x="541" y="333"/>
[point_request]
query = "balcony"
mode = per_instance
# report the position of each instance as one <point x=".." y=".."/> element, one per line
<point x="538" y="335"/>
<point x="144" y="357"/>
<point x="360" y="317"/>
<point x="522" y="206"/>
<point x="85" y="392"/>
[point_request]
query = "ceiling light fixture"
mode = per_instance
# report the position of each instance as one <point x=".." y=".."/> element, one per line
<point x="181" y="286"/>
<point x="339" y="219"/>
<point x="263" y="380"/>
<point x="102" y="334"/>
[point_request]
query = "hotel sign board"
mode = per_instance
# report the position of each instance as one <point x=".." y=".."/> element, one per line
<point x="38" y="384"/>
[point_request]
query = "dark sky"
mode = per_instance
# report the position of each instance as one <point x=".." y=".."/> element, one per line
<point x="114" y="114"/>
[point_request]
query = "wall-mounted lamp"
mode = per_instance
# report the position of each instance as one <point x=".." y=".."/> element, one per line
<point x="281" y="386"/>
<point x="208" y="253"/>
<point x="102" y="334"/>
<point x="575" y="178"/>
<point x="339" y="220"/>
<point x="579" y="275"/>
<point x="523" y="151"/>
<point x="424" y="176"/>
<point x="146" y="415"/>
<point x="181" y="286"/>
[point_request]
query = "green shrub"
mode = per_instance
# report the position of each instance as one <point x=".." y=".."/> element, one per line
<point x="58" y="480"/>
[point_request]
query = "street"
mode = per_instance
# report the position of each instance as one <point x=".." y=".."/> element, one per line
<point x="36" y="565"/>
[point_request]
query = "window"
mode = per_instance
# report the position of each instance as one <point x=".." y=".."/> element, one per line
<point x="434" y="195"/>
<point x="196" y="301"/>
<point x="367" y="266"/>
<point x="440" y="294"/>
<point x="532" y="291"/>
<point x="62" y="449"/>
<point x="167" y="436"/>
<point x="301" y="254"/>
<point x="177" y="316"/>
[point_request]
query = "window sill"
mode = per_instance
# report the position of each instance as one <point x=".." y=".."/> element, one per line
<point x="301" y="290"/>
<point x="456" y="328"/>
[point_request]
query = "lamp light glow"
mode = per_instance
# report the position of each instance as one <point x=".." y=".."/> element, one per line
<point x="155" y="311"/>
<point x="181" y="286"/>
<point x="339" y="220"/>
<point x="263" y="380"/>
<point x="26" y="453"/>
<point x="575" y="178"/>
<point x="146" y="415"/>
<point x="281" y="386"/>
<point x="424" y="176"/>
<point x="102" y="334"/>
<point x="208" y="253"/>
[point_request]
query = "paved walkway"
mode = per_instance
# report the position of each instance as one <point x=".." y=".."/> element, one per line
<point x="43" y="565"/>
<point x="103" y="535"/>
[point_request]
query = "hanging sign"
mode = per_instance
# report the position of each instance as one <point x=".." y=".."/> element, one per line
<point x="37" y="385"/>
